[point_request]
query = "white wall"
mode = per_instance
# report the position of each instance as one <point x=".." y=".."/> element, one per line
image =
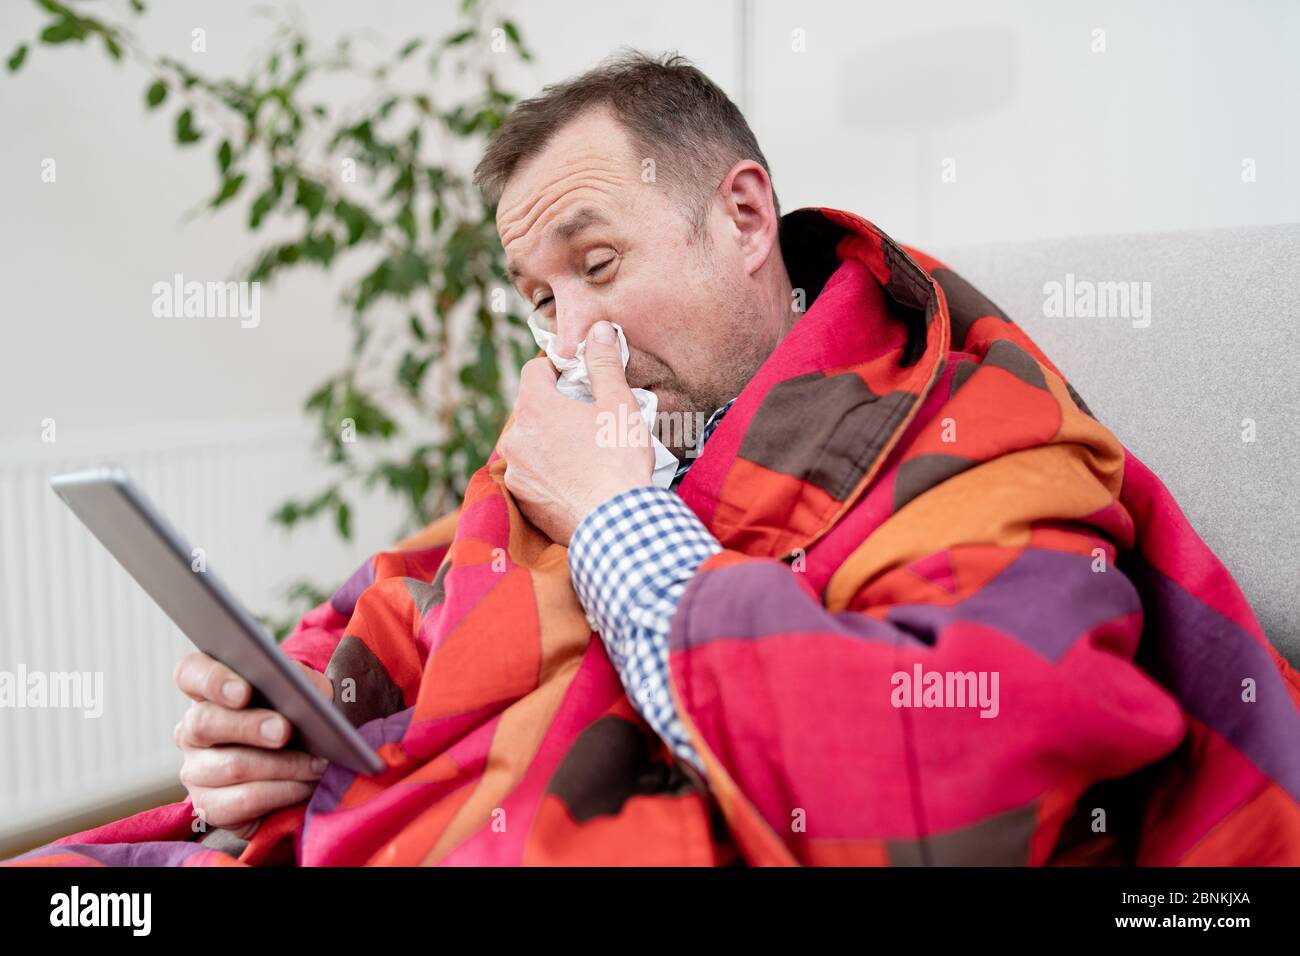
<point x="1048" y="137"/>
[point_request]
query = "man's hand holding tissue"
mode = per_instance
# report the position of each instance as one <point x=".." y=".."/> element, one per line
<point x="563" y="457"/>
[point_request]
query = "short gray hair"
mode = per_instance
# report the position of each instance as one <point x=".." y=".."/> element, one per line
<point x="670" y="109"/>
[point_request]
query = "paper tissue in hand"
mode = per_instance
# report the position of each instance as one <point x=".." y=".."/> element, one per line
<point x="574" y="383"/>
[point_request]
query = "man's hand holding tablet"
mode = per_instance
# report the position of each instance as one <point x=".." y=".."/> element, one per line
<point x="236" y="767"/>
<point x="237" y="763"/>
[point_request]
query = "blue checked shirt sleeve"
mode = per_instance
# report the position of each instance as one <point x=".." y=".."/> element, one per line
<point x="631" y="560"/>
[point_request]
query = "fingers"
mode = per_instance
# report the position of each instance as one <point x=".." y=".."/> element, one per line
<point x="207" y="725"/>
<point x="201" y="678"/>
<point x="605" y="366"/>
<point x="231" y="766"/>
<point x="246" y="830"/>
<point x="318" y="680"/>
<point x="539" y="374"/>
<point x="246" y="802"/>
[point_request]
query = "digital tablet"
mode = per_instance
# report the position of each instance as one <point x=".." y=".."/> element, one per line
<point x="136" y="534"/>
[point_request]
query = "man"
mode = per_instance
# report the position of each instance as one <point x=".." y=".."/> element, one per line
<point x="910" y="603"/>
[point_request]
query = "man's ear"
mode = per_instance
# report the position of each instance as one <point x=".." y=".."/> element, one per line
<point x="747" y="200"/>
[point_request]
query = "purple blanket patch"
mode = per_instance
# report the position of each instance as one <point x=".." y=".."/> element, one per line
<point x="345" y="598"/>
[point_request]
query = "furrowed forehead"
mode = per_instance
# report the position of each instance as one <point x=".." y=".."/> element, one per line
<point x="593" y="145"/>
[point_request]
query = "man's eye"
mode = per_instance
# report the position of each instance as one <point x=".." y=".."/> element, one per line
<point x="592" y="273"/>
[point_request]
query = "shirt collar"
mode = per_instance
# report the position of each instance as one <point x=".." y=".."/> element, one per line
<point x="684" y="465"/>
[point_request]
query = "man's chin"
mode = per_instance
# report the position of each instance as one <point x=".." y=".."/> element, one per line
<point x="677" y="428"/>
<point x="667" y="403"/>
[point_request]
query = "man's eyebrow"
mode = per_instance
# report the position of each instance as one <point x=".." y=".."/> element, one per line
<point x="579" y="221"/>
<point x="564" y="231"/>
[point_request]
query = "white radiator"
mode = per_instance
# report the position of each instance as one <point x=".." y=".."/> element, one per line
<point x="66" y="606"/>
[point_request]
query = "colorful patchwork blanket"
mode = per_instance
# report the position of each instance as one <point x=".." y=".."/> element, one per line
<point x="954" y="621"/>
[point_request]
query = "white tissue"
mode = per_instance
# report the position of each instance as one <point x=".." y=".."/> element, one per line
<point x="575" y="383"/>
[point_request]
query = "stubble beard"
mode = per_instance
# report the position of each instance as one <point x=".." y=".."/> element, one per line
<point x="685" y="408"/>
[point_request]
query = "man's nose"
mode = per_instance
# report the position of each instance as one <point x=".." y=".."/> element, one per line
<point x="571" y="327"/>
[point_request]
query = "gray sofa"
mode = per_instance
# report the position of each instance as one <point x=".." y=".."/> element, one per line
<point x="1219" y="348"/>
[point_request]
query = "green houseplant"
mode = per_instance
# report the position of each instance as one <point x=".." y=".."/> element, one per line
<point x="380" y="182"/>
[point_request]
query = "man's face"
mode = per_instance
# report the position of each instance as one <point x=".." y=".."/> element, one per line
<point x="587" y="239"/>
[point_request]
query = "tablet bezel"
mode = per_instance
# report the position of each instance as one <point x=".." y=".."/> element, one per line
<point x="108" y="503"/>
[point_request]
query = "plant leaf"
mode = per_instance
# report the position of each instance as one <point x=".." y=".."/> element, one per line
<point x="186" y="134"/>
<point x="229" y="187"/>
<point x="156" y="93"/>
<point x="61" y="32"/>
